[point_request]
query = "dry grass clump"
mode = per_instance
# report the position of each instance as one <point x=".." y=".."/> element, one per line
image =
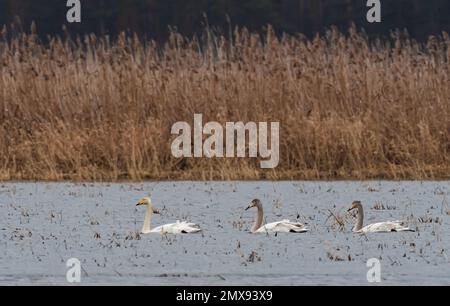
<point x="93" y="109"/>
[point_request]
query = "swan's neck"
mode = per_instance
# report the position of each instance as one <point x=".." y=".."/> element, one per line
<point x="359" y="220"/>
<point x="148" y="216"/>
<point x="259" y="219"/>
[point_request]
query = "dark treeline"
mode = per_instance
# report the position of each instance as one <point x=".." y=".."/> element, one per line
<point x="152" y="18"/>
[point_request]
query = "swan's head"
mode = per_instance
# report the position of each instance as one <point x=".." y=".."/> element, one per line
<point x="254" y="203"/>
<point x="148" y="202"/>
<point x="355" y="205"/>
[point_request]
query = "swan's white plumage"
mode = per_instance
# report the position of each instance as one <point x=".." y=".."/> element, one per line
<point x="284" y="226"/>
<point x="180" y="227"/>
<point x="385" y="227"/>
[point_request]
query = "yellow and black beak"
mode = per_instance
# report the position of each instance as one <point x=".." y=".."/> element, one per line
<point x="250" y="206"/>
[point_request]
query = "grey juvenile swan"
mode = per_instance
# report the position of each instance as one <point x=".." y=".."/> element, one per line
<point x="284" y="226"/>
<point x="380" y="227"/>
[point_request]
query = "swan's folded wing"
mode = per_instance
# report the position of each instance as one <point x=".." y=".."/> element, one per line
<point x="385" y="227"/>
<point x="184" y="227"/>
<point x="163" y="229"/>
<point x="284" y="226"/>
<point x="295" y="227"/>
<point x="191" y="224"/>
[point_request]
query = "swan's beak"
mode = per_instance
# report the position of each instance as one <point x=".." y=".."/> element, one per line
<point x="350" y="209"/>
<point x="248" y="207"/>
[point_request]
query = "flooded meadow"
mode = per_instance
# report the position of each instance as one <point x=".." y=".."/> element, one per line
<point x="42" y="225"/>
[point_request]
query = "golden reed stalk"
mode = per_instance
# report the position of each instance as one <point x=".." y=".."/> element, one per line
<point x="93" y="109"/>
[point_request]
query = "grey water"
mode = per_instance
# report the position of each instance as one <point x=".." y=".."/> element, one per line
<point x="42" y="225"/>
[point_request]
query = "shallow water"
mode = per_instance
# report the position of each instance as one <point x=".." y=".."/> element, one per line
<point x="42" y="225"/>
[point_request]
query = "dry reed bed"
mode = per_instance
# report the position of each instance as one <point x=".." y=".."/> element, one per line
<point x="93" y="109"/>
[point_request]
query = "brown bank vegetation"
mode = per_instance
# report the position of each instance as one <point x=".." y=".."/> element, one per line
<point x="95" y="109"/>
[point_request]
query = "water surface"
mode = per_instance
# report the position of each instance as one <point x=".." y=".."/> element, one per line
<point x="42" y="225"/>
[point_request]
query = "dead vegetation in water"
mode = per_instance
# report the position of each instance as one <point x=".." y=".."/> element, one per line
<point x="21" y="234"/>
<point x="94" y="109"/>
<point x="133" y="236"/>
<point x="380" y="206"/>
<point x="429" y="219"/>
<point x="335" y="257"/>
<point x="239" y="224"/>
<point x="337" y="253"/>
<point x="337" y="220"/>
<point x="254" y="257"/>
<point x="445" y="207"/>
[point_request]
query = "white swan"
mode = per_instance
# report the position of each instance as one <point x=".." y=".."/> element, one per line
<point x="284" y="226"/>
<point x="172" y="228"/>
<point x="380" y="227"/>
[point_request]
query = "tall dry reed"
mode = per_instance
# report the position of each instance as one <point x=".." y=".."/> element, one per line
<point x="92" y="109"/>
